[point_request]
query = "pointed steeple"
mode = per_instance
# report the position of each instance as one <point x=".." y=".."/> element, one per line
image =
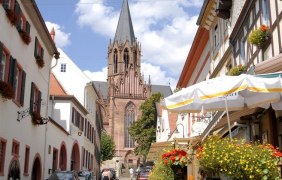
<point x="124" y="29"/>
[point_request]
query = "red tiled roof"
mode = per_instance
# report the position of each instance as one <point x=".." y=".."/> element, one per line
<point x="56" y="88"/>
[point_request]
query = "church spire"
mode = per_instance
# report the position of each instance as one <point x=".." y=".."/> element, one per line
<point x="124" y="29"/>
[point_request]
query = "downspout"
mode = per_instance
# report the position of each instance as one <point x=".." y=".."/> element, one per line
<point x="57" y="56"/>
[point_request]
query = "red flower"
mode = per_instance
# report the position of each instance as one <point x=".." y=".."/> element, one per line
<point x="264" y="28"/>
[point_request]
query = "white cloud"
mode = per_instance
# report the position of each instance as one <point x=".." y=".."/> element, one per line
<point x="164" y="28"/>
<point x="62" y="39"/>
<point x="97" y="76"/>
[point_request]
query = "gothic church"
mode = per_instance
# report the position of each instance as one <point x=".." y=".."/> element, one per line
<point x="125" y="89"/>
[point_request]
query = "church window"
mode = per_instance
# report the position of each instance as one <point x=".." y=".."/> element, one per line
<point x="126" y="58"/>
<point x="115" y="61"/>
<point x="129" y="119"/>
<point x="135" y="58"/>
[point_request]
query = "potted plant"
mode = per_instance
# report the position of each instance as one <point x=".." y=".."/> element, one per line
<point x="237" y="70"/>
<point x="36" y="118"/>
<point x="25" y="37"/>
<point x="237" y="159"/>
<point x="40" y="61"/>
<point x="178" y="160"/>
<point x="259" y="36"/>
<point x="6" y="90"/>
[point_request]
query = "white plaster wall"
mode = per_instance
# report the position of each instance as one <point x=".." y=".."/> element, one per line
<point x="24" y="131"/>
<point x="205" y="70"/>
<point x="236" y="9"/>
<point x="73" y="77"/>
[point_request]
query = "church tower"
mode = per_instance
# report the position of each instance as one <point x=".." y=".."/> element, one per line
<point x="127" y="89"/>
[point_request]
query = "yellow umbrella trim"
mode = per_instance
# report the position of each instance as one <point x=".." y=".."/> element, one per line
<point x="182" y="103"/>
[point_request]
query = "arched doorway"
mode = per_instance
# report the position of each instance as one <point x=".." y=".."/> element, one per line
<point x="130" y="159"/>
<point x="14" y="170"/>
<point x="75" y="159"/>
<point x="63" y="158"/>
<point x="36" y="169"/>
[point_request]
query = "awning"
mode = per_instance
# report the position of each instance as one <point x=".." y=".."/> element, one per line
<point x="219" y="121"/>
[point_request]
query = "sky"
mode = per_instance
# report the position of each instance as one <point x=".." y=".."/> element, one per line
<point x="165" y="29"/>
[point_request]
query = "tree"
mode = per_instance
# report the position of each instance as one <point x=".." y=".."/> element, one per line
<point x="144" y="129"/>
<point x="107" y="147"/>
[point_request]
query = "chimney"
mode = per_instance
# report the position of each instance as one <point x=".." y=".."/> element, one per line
<point x="52" y="33"/>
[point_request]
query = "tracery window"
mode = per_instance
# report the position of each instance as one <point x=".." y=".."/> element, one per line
<point x="126" y="58"/>
<point x="115" y="61"/>
<point x="129" y="119"/>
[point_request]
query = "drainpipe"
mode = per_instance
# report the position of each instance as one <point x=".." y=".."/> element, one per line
<point x="56" y="55"/>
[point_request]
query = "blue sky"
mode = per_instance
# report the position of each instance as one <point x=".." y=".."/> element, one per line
<point x="165" y="28"/>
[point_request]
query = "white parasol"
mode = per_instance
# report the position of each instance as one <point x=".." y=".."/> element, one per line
<point x="227" y="93"/>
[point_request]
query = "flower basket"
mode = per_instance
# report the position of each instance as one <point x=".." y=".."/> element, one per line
<point x="25" y="37"/>
<point x="6" y="90"/>
<point x="237" y="70"/>
<point x="238" y="160"/>
<point x="259" y="36"/>
<point x="12" y="16"/>
<point x="36" y="118"/>
<point x="178" y="160"/>
<point x="40" y="62"/>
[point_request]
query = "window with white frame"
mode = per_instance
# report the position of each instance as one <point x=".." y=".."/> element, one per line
<point x="3" y="61"/>
<point x="63" y="67"/>
<point x="265" y="12"/>
<point x="242" y="51"/>
<point x="216" y="39"/>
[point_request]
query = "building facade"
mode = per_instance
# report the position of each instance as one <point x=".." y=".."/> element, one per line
<point x="26" y="52"/>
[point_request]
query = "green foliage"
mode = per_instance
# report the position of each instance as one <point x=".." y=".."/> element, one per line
<point x="239" y="160"/>
<point x="258" y="36"/>
<point x="144" y="129"/>
<point x="176" y="90"/>
<point x="237" y="70"/>
<point x="161" y="172"/>
<point x="107" y="147"/>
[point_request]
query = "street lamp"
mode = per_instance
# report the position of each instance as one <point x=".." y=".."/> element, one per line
<point x="176" y="131"/>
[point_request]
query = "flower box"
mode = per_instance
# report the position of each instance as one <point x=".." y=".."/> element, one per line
<point x="6" y="90"/>
<point x="260" y="36"/>
<point x="25" y="37"/>
<point x="40" y="61"/>
<point x="237" y="70"/>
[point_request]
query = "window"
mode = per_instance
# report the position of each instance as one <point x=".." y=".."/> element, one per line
<point x="38" y="50"/>
<point x="8" y="4"/>
<point x="17" y="79"/>
<point x="225" y="28"/>
<point x="55" y="159"/>
<point x="2" y="155"/>
<point x="265" y="12"/>
<point x="115" y="61"/>
<point x="242" y="52"/>
<point x="216" y="38"/>
<point x="126" y="58"/>
<point x="63" y="67"/>
<point x="4" y="61"/>
<point x="15" y="148"/>
<point x="26" y="160"/>
<point x="35" y="100"/>
<point x="129" y="119"/>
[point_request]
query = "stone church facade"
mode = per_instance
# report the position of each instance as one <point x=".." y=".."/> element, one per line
<point x="125" y="89"/>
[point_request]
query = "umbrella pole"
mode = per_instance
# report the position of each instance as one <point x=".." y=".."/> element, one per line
<point x="228" y="120"/>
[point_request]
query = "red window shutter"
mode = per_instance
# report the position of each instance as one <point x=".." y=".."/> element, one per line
<point x="17" y="11"/>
